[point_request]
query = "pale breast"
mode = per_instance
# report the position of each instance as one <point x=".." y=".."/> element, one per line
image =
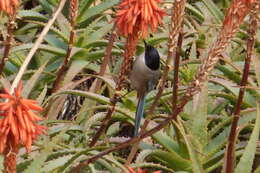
<point x="141" y="74"/>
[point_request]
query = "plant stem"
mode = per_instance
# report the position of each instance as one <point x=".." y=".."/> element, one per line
<point x="230" y="156"/>
<point x="177" y="60"/>
<point x="176" y="72"/>
<point x="64" y="67"/>
<point x="36" y="46"/>
<point x="8" y="43"/>
<point x="10" y="155"/>
<point x="107" y="57"/>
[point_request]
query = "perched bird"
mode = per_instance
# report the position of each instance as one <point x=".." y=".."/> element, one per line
<point x="144" y="77"/>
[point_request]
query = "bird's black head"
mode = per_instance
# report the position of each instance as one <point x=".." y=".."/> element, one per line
<point x="152" y="57"/>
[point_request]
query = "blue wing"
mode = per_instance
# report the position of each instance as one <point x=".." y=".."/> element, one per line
<point x="139" y="114"/>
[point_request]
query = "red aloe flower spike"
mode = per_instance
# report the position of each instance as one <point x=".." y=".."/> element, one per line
<point x="6" y="96"/>
<point x="137" y="16"/>
<point x="19" y="120"/>
<point x="8" y="5"/>
<point x="141" y="171"/>
<point x="30" y="105"/>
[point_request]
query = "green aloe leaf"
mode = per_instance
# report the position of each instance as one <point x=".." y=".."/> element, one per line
<point x="256" y="63"/>
<point x="32" y="81"/>
<point x="170" y="159"/>
<point x="74" y="69"/>
<point x="198" y="122"/>
<point x="194" y="156"/>
<point x="247" y="159"/>
<point x="96" y="10"/>
<point x="167" y="142"/>
<point x="98" y="34"/>
<point x="47" y="48"/>
<point x="89" y="95"/>
<point x="38" y="161"/>
<point x="214" y="10"/>
<point x="56" y="163"/>
<point x="32" y="15"/>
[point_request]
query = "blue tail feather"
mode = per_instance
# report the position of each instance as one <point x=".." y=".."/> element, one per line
<point x="139" y="114"/>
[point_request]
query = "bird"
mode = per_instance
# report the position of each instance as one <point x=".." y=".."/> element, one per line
<point x="143" y="78"/>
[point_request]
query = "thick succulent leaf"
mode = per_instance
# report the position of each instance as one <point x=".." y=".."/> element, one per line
<point x="32" y="81"/>
<point x="79" y="155"/>
<point x="32" y="15"/>
<point x="74" y="69"/>
<point x="96" y="10"/>
<point x="195" y="11"/>
<point x="248" y="98"/>
<point x="47" y="48"/>
<point x="169" y="159"/>
<point x="52" y="40"/>
<point x="36" y="24"/>
<point x="63" y="24"/>
<point x="194" y="156"/>
<point x="214" y="10"/>
<point x="234" y="74"/>
<point x="38" y="162"/>
<point x="256" y="63"/>
<point x="46" y="6"/>
<point x="167" y="142"/>
<point x="89" y="95"/>
<point x="219" y="141"/>
<point x="108" y="166"/>
<point x="197" y="125"/>
<point x="155" y="166"/>
<point x="42" y="95"/>
<point x="84" y="6"/>
<point x="246" y="161"/>
<point x="97" y="35"/>
<point x="1" y="163"/>
<point x="55" y="163"/>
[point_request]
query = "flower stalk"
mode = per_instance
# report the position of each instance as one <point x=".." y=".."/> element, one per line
<point x="10" y="156"/>
<point x="8" y="42"/>
<point x="64" y="67"/>
<point x="107" y="57"/>
<point x="230" y="152"/>
<point x="10" y="8"/>
<point x="176" y="72"/>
